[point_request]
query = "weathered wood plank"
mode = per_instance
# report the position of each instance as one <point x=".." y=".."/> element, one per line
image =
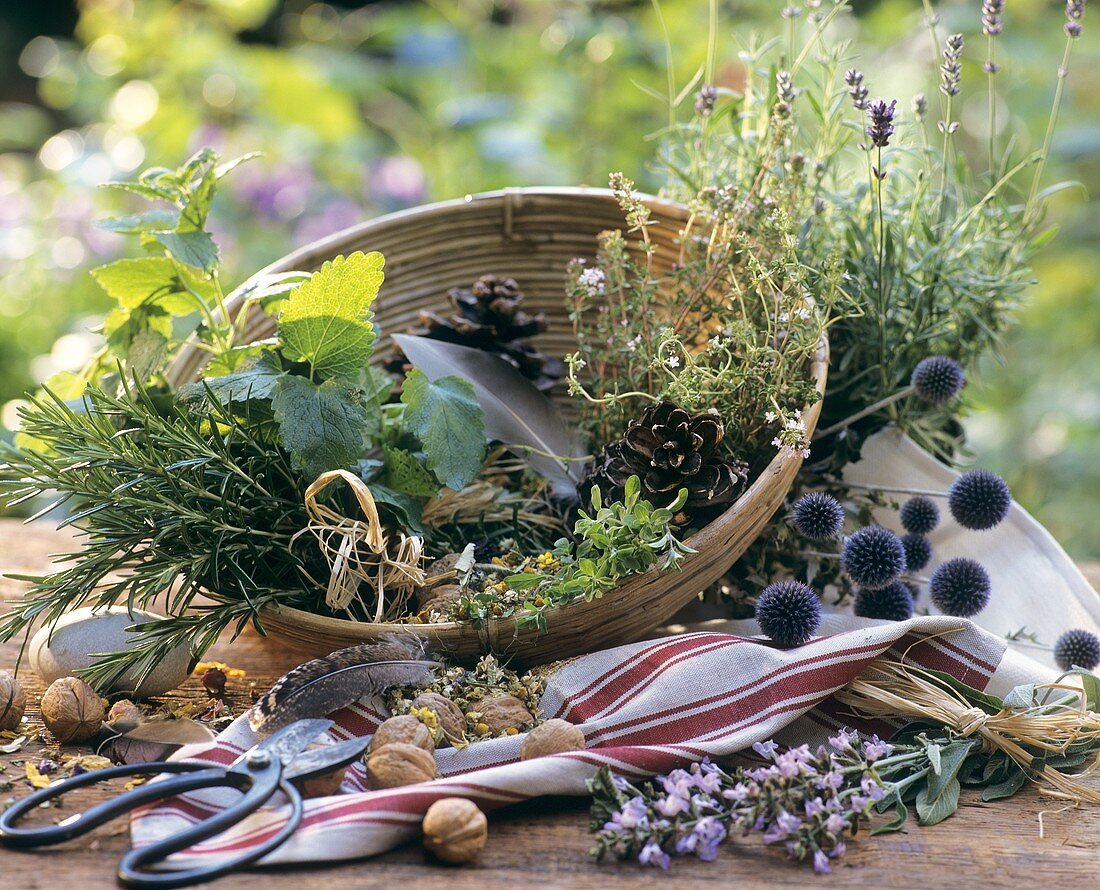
<point x="544" y="843"/>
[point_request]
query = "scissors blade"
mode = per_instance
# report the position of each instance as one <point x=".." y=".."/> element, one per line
<point x="290" y="741"/>
<point x="326" y="759"/>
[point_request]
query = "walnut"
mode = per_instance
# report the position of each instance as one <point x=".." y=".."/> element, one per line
<point x="445" y="565"/>
<point x="13" y="701"/>
<point x="72" y="710"/>
<point x="503" y="712"/>
<point x="455" y="830"/>
<point x="324" y="785"/>
<point x="552" y="737"/>
<point x="450" y="717"/>
<point x="397" y="764"/>
<point x="439" y="598"/>
<point x="404" y="728"/>
<point x="125" y="715"/>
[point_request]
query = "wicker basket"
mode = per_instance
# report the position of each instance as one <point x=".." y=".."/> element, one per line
<point x="529" y="234"/>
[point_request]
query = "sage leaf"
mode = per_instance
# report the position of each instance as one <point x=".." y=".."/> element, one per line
<point x="901" y="813"/>
<point x="933" y="752"/>
<point x="935" y="807"/>
<point x="326" y="321"/>
<point x="444" y="415"/>
<point x="323" y="427"/>
<point x="1006" y="788"/>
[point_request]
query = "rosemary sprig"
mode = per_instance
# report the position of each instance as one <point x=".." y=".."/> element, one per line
<point x="170" y="503"/>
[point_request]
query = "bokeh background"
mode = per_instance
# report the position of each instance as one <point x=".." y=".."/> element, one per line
<point x="362" y="108"/>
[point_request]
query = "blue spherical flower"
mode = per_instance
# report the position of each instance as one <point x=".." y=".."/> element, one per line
<point x="960" y="587"/>
<point x="918" y="552"/>
<point x="789" y="612"/>
<point x="1077" y="648"/>
<point x="817" y="515"/>
<point x="873" y="557"/>
<point x="893" y="603"/>
<point x="938" y="379"/>
<point x="919" y="515"/>
<point x="979" y="499"/>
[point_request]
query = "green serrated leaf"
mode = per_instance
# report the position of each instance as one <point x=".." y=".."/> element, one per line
<point x="148" y="353"/>
<point x="323" y="427"/>
<point x="404" y="473"/>
<point x="197" y="208"/>
<point x="445" y="416"/>
<point x="138" y="223"/>
<point x="257" y="381"/>
<point x="405" y="508"/>
<point x="193" y="248"/>
<point x="326" y="320"/>
<point x="67" y="385"/>
<point x="158" y="280"/>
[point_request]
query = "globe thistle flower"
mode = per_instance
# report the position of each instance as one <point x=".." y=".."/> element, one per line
<point x="817" y="515"/>
<point x="951" y="69"/>
<point x="1077" y="648"/>
<point x="880" y="127"/>
<point x="938" y="379"/>
<point x="789" y="612"/>
<point x="1075" y="11"/>
<point x="873" y="557"/>
<point x="979" y="499"/>
<point x="918" y="552"/>
<point x="705" y="100"/>
<point x="960" y="587"/>
<point x="919" y="515"/>
<point x="892" y="603"/>
<point x="853" y="78"/>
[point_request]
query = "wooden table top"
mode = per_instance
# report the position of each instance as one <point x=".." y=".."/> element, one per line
<point x="545" y="842"/>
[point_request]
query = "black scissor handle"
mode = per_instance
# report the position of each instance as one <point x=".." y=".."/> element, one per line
<point x="131" y="871"/>
<point x="194" y="776"/>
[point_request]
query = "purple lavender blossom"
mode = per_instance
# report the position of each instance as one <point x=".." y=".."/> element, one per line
<point x="705" y="100"/>
<point x="880" y="127"/>
<point x="1075" y="11"/>
<point x="951" y="69"/>
<point x="856" y="88"/>
<point x="992" y="21"/>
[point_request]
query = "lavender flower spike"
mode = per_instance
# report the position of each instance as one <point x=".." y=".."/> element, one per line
<point x="856" y="88"/>
<point x="951" y="69"/>
<point x="992" y="21"/>
<point x="1075" y="11"/>
<point x="881" y="125"/>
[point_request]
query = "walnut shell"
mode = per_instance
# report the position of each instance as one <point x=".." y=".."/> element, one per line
<point x="552" y="737"/>
<point x="503" y="712"/>
<point x="451" y="720"/>
<point x="13" y="701"/>
<point x="455" y="830"/>
<point x="397" y="764"/>
<point x="442" y="566"/>
<point x="439" y="598"/>
<point x="403" y="728"/>
<point x="324" y="785"/>
<point x="125" y="715"/>
<point x="72" y="710"/>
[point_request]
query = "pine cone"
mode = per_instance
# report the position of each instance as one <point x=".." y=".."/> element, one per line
<point x="488" y="317"/>
<point x="668" y="449"/>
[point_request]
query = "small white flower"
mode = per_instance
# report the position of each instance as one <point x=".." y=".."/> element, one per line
<point x="770" y="416"/>
<point x="592" y="280"/>
<point x="673" y="361"/>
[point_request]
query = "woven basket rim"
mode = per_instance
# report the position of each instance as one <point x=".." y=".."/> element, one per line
<point x="513" y="198"/>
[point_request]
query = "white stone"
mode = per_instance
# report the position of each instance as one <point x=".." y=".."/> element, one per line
<point x="66" y="647"/>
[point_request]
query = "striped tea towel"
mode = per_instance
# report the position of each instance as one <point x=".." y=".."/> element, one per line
<point x="645" y="708"/>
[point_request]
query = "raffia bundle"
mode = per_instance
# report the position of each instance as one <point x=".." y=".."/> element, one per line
<point x="1057" y="720"/>
<point x="361" y="550"/>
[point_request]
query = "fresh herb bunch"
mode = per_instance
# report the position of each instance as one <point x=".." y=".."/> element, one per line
<point x="612" y="542"/>
<point x="731" y="327"/>
<point x="169" y="503"/>
<point x="812" y="800"/>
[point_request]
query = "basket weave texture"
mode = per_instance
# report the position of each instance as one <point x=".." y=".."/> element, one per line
<point x="528" y="234"/>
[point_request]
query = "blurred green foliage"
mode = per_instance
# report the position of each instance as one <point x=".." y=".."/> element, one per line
<point x="361" y="111"/>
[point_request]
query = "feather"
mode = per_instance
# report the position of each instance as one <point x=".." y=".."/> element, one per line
<point x="324" y="685"/>
<point x="516" y="413"/>
<point x="151" y="740"/>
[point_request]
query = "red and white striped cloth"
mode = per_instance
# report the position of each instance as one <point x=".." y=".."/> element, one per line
<point x="644" y="708"/>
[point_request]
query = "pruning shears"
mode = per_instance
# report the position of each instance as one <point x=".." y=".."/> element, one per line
<point x="270" y="766"/>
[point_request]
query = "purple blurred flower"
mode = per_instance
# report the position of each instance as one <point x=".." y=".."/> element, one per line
<point x="396" y="182"/>
<point x="652" y="854"/>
